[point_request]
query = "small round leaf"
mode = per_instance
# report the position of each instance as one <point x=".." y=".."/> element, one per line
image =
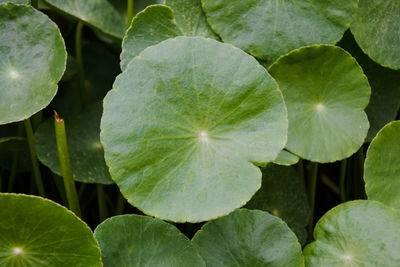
<point x="38" y="232"/>
<point x="183" y="125"/>
<point x="134" y="240"/>
<point x="357" y="233"/>
<point x="248" y="238"/>
<point x="325" y="92"/>
<point x="283" y="195"/>
<point x="32" y="61"/>
<point x="382" y="172"/>
<point x="270" y="28"/>
<point x="99" y="14"/>
<point x="376" y="27"/>
<point x="83" y="138"/>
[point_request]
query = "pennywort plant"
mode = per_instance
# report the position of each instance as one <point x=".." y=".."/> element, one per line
<point x="199" y="133"/>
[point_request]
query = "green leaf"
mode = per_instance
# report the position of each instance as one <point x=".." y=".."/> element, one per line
<point x="325" y="92"/>
<point x="286" y="158"/>
<point x="376" y="28"/>
<point x="357" y="233"/>
<point x="269" y="28"/>
<point x="283" y="195"/>
<point x="183" y="125"/>
<point x="158" y="23"/>
<point x="381" y="171"/>
<point x="134" y="240"/>
<point x="248" y="238"/>
<point x="38" y="232"/>
<point x="21" y="2"/>
<point x="83" y="138"/>
<point x="33" y="58"/>
<point x="99" y="14"/>
<point x="385" y="88"/>
<point x="10" y="145"/>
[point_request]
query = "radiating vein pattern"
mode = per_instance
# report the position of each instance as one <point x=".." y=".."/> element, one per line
<point x="182" y="124"/>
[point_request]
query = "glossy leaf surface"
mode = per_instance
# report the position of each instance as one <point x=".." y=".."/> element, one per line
<point x="38" y="232"/>
<point x="357" y="233"/>
<point x="32" y="61"/>
<point x="325" y="92"/>
<point x="85" y="149"/>
<point x="283" y="195"/>
<point x="376" y="27"/>
<point x="134" y="240"/>
<point x="248" y="238"/>
<point x="99" y="14"/>
<point x="381" y="171"/>
<point x="268" y="28"/>
<point x="158" y="23"/>
<point x="183" y="125"/>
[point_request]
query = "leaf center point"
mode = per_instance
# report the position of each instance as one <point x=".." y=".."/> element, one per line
<point x="203" y="135"/>
<point x="14" y="74"/>
<point x="320" y="107"/>
<point x="18" y="251"/>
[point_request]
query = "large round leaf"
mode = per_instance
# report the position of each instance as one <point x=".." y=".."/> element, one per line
<point x="158" y="23"/>
<point x="385" y="88"/>
<point x="183" y="125"/>
<point x="134" y="240"/>
<point x="38" y="232"/>
<point x="270" y="28"/>
<point x="99" y="14"/>
<point x="357" y="233"/>
<point x="283" y="195"/>
<point x="32" y="61"/>
<point x="83" y="138"/>
<point x="15" y="1"/>
<point x="325" y="92"/>
<point x="248" y="238"/>
<point x="382" y="166"/>
<point x="376" y="27"/>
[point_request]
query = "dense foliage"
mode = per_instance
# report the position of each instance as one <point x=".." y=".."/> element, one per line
<point x="199" y="133"/>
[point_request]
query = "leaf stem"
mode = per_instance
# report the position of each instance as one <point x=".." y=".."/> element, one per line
<point x="300" y="170"/>
<point x="34" y="160"/>
<point x="101" y="203"/>
<point x="79" y="60"/>
<point x="129" y="12"/>
<point x="65" y="164"/>
<point x="34" y="3"/>
<point x="312" y="186"/>
<point x="343" y="166"/>
<point x="120" y="205"/>
<point x="15" y="161"/>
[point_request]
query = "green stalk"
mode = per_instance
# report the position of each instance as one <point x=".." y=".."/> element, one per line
<point x="15" y="161"/>
<point x="34" y="3"/>
<point x="312" y="186"/>
<point x="300" y="170"/>
<point x="34" y="160"/>
<point x="79" y="60"/>
<point x="65" y="164"/>
<point x="101" y="203"/>
<point x="120" y="205"/>
<point x="343" y="166"/>
<point x="129" y="12"/>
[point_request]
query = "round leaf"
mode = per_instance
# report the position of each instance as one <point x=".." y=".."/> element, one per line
<point x="85" y="149"/>
<point x="158" y="23"/>
<point x="38" y="232"/>
<point x="269" y="28"/>
<point x="133" y="240"/>
<point x="283" y="195"/>
<point x="357" y="233"/>
<point x="381" y="172"/>
<point x="22" y="2"/>
<point x="325" y="92"/>
<point x="32" y="61"/>
<point x="183" y="125"/>
<point x="379" y="16"/>
<point x="99" y="14"/>
<point x="248" y="238"/>
<point x="286" y="158"/>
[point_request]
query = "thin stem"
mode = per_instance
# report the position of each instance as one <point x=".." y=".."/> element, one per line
<point x="101" y="202"/>
<point x="79" y="60"/>
<point x="129" y="12"/>
<point x="312" y="186"/>
<point x="15" y="161"/>
<point x="120" y="205"/>
<point x="358" y="178"/>
<point x="65" y="164"/>
<point x="343" y="166"/>
<point x="300" y="170"/>
<point x="34" y="3"/>
<point x="34" y="160"/>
